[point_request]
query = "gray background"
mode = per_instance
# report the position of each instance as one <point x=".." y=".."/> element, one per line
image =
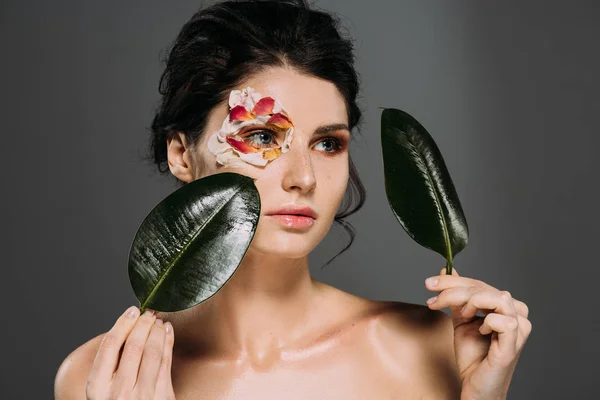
<point x="509" y="90"/>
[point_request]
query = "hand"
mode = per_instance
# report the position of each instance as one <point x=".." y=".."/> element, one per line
<point x="487" y="348"/>
<point x="143" y="370"/>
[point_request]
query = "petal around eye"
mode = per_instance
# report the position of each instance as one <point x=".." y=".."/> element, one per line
<point x="239" y="113"/>
<point x="241" y="146"/>
<point x="285" y="147"/>
<point x="254" y="158"/>
<point x="235" y="98"/>
<point x="264" y="106"/>
<point x="215" y="146"/>
<point x="271" y="154"/>
<point x="281" y="121"/>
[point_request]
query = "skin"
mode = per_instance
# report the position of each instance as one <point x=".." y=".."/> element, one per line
<point x="273" y="331"/>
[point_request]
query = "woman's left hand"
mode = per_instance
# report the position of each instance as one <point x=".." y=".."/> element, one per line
<point x="486" y="348"/>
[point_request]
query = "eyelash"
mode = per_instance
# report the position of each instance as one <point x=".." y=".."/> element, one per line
<point x="337" y="144"/>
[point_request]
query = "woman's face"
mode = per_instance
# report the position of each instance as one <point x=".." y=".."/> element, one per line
<point x="313" y="172"/>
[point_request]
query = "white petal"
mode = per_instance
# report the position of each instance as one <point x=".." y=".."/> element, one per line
<point x="235" y="98"/>
<point x="254" y="95"/>
<point x="215" y="145"/>
<point x="285" y="147"/>
<point x="253" y="158"/>
<point x="262" y="118"/>
<point x="226" y="126"/>
<point x="248" y="102"/>
<point x="229" y="159"/>
<point x="278" y="108"/>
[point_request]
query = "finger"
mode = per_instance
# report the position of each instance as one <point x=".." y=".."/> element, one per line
<point x="107" y="356"/>
<point x="151" y="360"/>
<point x="441" y="282"/>
<point x="507" y="328"/>
<point x="524" y="330"/>
<point x="522" y="308"/>
<point x="129" y="364"/>
<point x="455" y="299"/>
<point x="496" y="301"/>
<point x="164" y="384"/>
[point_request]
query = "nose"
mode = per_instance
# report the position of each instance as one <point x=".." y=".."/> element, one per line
<point x="298" y="172"/>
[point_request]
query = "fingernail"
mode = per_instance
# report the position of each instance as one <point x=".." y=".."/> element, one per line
<point x="149" y="312"/>
<point x="131" y="311"/>
<point x="158" y="321"/>
<point x="431" y="300"/>
<point x="168" y="327"/>
<point x="431" y="281"/>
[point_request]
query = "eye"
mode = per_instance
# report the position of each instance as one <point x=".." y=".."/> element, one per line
<point x="260" y="138"/>
<point x="331" y="145"/>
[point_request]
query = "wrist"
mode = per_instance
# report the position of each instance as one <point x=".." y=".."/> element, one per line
<point x="473" y="396"/>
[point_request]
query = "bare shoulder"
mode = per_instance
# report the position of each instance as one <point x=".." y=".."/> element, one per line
<point x="416" y="320"/>
<point x="71" y="377"/>
<point x="398" y="318"/>
<point x="409" y="344"/>
<point x="424" y="340"/>
<point x="401" y="322"/>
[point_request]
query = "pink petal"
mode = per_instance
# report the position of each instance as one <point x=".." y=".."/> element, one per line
<point x="241" y="146"/>
<point x="264" y="106"/>
<point x="280" y="120"/>
<point x="239" y="113"/>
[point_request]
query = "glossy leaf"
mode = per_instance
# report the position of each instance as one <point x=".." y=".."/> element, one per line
<point x="418" y="186"/>
<point x="192" y="242"/>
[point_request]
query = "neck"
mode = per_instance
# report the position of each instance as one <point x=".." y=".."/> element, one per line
<point x="266" y="305"/>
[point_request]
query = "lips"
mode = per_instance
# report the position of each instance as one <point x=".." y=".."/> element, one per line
<point x="295" y="210"/>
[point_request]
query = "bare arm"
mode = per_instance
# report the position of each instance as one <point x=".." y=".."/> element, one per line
<point x="132" y="360"/>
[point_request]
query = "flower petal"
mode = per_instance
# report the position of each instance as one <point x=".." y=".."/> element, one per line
<point x="271" y="154"/>
<point x="230" y="159"/>
<point x="235" y="98"/>
<point x="253" y="95"/>
<point x="239" y="113"/>
<point x="254" y="158"/>
<point x="240" y="146"/>
<point x="285" y="147"/>
<point x="216" y="145"/>
<point x="280" y="120"/>
<point x="264" y="106"/>
<point x="278" y="108"/>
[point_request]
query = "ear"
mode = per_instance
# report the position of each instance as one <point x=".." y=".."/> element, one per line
<point x="179" y="157"/>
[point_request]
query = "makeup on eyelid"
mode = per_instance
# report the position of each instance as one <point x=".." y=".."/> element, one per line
<point x="338" y="144"/>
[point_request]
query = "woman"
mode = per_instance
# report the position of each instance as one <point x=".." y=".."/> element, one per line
<point x="268" y="89"/>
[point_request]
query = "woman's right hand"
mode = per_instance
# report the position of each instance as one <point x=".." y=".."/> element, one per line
<point x="143" y="369"/>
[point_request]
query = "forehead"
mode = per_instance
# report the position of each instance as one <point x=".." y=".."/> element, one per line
<point x="308" y="101"/>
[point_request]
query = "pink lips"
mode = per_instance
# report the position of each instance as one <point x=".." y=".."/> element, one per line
<point x="294" y="221"/>
<point x="294" y="216"/>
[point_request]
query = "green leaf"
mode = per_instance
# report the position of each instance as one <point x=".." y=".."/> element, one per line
<point x="193" y="241"/>
<point x="418" y="186"/>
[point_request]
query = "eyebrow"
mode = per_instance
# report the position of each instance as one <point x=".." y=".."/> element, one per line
<point x="325" y="129"/>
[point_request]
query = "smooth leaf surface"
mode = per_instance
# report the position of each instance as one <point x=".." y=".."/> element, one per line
<point x="192" y="242"/>
<point x="418" y="186"/>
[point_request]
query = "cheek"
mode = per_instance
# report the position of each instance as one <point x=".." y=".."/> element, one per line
<point x="335" y="182"/>
<point x="206" y="164"/>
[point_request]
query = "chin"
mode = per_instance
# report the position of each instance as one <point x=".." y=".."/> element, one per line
<point x="276" y="240"/>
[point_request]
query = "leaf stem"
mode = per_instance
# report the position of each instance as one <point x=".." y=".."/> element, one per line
<point x="449" y="266"/>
